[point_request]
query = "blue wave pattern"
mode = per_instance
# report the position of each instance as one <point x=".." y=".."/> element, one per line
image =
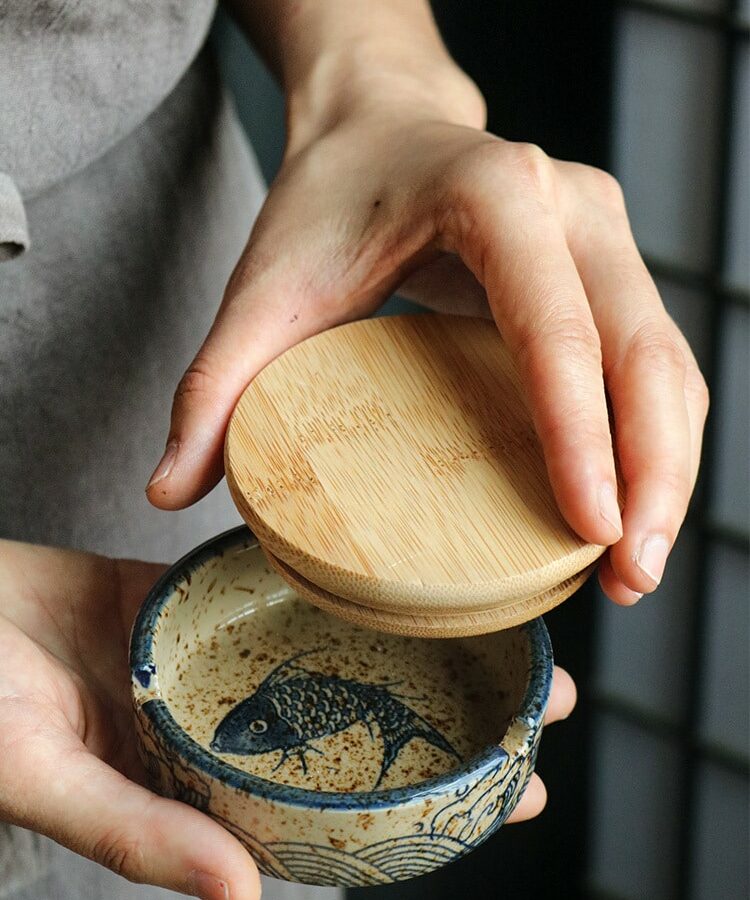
<point x="471" y="815"/>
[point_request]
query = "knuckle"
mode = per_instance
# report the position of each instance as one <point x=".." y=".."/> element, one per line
<point x="490" y="161"/>
<point x="534" y="167"/>
<point x="674" y="481"/>
<point x="120" y="852"/>
<point x="469" y="171"/>
<point x="197" y="382"/>
<point x="567" y="430"/>
<point x="561" y="333"/>
<point x="696" y="389"/>
<point x="657" y="350"/>
<point x="606" y="188"/>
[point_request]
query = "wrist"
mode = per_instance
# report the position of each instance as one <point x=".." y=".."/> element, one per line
<point x="379" y="76"/>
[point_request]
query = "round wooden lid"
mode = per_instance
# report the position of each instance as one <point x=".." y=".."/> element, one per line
<point x="431" y="625"/>
<point x="392" y="463"/>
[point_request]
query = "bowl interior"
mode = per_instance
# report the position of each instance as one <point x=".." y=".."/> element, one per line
<point x="277" y="688"/>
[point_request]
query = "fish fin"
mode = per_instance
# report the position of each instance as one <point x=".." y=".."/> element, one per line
<point x="299" y="752"/>
<point x="436" y="739"/>
<point x="368" y="726"/>
<point x="421" y="698"/>
<point x="392" y="744"/>
<point x="286" y="669"/>
<point x="393" y="684"/>
<point x="282" y="760"/>
<point x="394" y="739"/>
<point x="388" y="685"/>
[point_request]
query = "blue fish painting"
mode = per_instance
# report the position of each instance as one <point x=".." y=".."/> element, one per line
<point x="294" y="706"/>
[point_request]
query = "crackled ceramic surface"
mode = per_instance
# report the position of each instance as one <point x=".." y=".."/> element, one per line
<point x="337" y="755"/>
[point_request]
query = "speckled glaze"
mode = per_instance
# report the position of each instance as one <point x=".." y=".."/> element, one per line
<point x="337" y="755"/>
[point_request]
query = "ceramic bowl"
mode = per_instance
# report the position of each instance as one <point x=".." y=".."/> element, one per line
<point x="337" y="755"/>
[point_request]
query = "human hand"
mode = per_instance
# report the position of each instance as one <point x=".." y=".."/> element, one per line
<point x="389" y="182"/>
<point x="68" y="761"/>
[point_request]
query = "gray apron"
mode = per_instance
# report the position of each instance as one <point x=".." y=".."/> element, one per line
<point x="127" y="191"/>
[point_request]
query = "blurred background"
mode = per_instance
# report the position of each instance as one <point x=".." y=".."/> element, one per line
<point x="648" y="781"/>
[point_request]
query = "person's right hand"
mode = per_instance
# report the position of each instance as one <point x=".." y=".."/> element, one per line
<point x="389" y="182"/>
<point x="68" y="762"/>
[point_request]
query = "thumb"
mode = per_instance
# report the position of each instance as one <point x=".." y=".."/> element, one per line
<point x="98" y="813"/>
<point x="255" y="324"/>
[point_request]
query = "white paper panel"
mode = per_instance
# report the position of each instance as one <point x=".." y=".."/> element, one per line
<point x="666" y="105"/>
<point x="725" y="718"/>
<point x="633" y="826"/>
<point x="642" y="649"/>
<point x="721" y="863"/>
<point x="731" y="501"/>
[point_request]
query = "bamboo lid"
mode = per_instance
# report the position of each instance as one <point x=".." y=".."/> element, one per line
<point x="391" y="471"/>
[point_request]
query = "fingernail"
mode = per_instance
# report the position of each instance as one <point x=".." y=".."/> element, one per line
<point x="651" y="556"/>
<point x="632" y="599"/>
<point x="165" y="464"/>
<point x="608" y="508"/>
<point x="207" y="887"/>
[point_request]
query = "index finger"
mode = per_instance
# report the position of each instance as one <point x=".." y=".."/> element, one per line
<point x="514" y="243"/>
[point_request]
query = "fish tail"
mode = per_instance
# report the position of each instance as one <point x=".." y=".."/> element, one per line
<point x="396" y="736"/>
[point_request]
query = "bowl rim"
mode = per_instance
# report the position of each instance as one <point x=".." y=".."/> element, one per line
<point x="177" y="741"/>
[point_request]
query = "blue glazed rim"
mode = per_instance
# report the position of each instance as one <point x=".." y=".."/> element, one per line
<point x="178" y="742"/>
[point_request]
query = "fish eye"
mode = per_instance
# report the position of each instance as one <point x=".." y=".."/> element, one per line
<point x="259" y="726"/>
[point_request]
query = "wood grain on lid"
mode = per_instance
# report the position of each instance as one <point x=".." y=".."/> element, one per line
<point x="393" y="463"/>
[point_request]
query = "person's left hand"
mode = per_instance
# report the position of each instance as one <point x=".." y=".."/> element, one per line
<point x="69" y="766"/>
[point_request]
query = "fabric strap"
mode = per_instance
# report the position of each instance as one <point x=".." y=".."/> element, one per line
<point x="14" y="230"/>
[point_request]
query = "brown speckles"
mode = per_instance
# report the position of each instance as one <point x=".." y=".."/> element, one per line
<point x="450" y="683"/>
<point x="337" y="843"/>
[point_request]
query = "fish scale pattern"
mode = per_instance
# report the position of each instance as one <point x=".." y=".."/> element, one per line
<point x="294" y="706"/>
